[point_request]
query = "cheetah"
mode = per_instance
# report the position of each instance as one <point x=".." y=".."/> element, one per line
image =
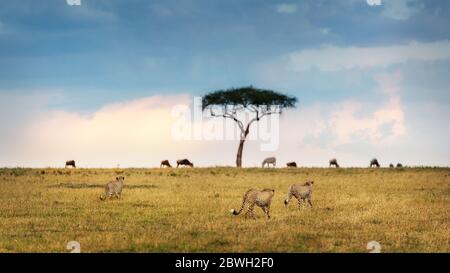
<point x="301" y="193"/>
<point x="260" y="198"/>
<point x="113" y="189"/>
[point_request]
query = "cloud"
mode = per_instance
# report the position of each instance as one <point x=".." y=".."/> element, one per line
<point x="324" y="30"/>
<point x="399" y="9"/>
<point x="347" y="130"/>
<point x="373" y="2"/>
<point x="137" y="133"/>
<point x="383" y="125"/>
<point x="348" y="126"/>
<point x="333" y="58"/>
<point x="128" y="133"/>
<point x="386" y="124"/>
<point x="344" y="122"/>
<point x="286" y="8"/>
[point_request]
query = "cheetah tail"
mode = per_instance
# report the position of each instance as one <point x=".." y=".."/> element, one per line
<point x="234" y="212"/>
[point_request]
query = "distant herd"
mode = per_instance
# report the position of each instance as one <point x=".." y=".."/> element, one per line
<point x="270" y="161"/>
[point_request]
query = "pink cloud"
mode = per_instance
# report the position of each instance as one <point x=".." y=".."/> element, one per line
<point x="347" y="124"/>
<point x="138" y="129"/>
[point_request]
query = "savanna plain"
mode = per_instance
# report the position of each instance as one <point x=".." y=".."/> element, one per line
<point x="188" y="210"/>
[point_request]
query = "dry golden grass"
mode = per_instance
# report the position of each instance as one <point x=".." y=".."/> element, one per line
<point x="187" y="210"/>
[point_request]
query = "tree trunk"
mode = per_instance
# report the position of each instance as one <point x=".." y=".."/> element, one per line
<point x="239" y="154"/>
<point x="241" y="146"/>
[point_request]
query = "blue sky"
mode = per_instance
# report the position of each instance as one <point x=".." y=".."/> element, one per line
<point x="81" y="59"/>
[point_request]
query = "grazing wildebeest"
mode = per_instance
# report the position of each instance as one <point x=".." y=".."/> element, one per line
<point x="270" y="160"/>
<point x="391" y="165"/>
<point x="399" y="165"/>
<point x="70" y="163"/>
<point x="165" y="163"/>
<point x="185" y="162"/>
<point x="291" y="164"/>
<point x="333" y="162"/>
<point x="374" y="162"/>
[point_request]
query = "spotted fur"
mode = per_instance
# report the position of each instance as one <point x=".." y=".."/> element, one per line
<point x="302" y="192"/>
<point x="113" y="189"/>
<point x="260" y="198"/>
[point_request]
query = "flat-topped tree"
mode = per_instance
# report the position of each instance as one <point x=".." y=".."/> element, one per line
<point x="233" y="101"/>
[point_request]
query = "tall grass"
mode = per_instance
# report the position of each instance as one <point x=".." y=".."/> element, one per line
<point x="187" y="210"/>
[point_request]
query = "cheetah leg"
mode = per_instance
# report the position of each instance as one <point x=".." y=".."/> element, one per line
<point x="247" y="212"/>
<point x="310" y="203"/>
<point x="251" y="211"/>
<point x="267" y="211"/>
<point x="304" y="202"/>
<point x="264" y="209"/>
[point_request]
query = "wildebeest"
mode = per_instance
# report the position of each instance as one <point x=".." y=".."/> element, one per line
<point x="399" y="165"/>
<point x="185" y="162"/>
<point x="391" y="165"/>
<point x="70" y="163"/>
<point x="333" y="162"/>
<point x="291" y="164"/>
<point x="374" y="162"/>
<point x="165" y="163"/>
<point x="269" y="160"/>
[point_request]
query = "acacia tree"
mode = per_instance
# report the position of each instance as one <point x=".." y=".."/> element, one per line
<point x="233" y="101"/>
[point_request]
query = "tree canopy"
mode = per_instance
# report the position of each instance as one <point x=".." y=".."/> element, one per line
<point x="246" y="97"/>
<point x="261" y="102"/>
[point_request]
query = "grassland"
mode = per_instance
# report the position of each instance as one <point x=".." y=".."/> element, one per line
<point x="187" y="210"/>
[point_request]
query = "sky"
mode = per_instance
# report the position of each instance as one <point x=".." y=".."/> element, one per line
<point x="98" y="82"/>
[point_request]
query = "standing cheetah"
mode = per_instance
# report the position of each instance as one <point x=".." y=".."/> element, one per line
<point x="260" y="198"/>
<point x="302" y="193"/>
